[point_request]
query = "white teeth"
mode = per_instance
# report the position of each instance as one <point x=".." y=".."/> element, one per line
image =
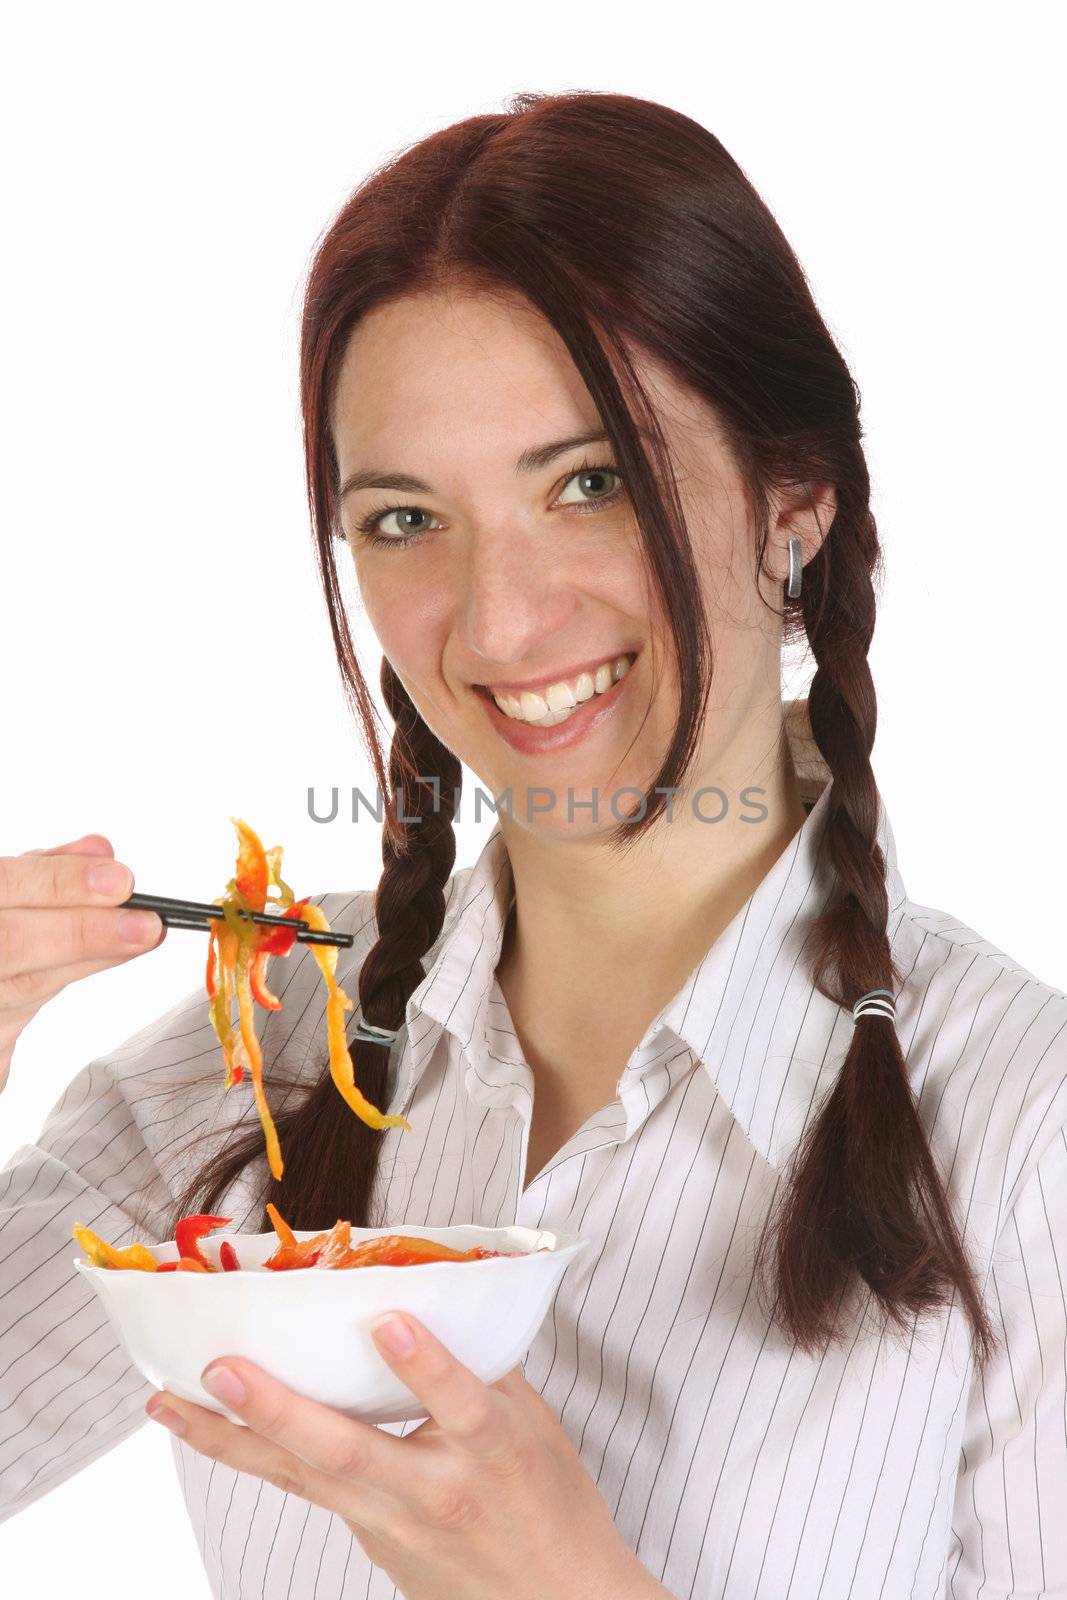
<point x="561" y="697"/>
<point x="561" y="700"/>
<point x="532" y="706"/>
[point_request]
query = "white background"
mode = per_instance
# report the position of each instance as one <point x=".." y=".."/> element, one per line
<point x="169" y="170"/>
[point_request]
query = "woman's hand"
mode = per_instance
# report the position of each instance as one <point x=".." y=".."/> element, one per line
<point x="59" y="922"/>
<point x="486" y="1499"/>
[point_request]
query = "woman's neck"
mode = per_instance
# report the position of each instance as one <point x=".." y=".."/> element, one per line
<point x="597" y="943"/>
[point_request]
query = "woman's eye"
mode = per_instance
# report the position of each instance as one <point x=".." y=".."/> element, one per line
<point x="410" y="524"/>
<point x="590" y="483"/>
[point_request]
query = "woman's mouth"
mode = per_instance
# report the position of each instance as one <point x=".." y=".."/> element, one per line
<point x="548" y="722"/>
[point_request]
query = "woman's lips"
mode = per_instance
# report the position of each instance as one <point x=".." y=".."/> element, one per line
<point x="531" y="741"/>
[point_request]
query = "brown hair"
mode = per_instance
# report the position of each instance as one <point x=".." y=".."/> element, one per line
<point x="622" y="220"/>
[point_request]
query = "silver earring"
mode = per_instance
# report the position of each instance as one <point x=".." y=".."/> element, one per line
<point x="795" y="568"/>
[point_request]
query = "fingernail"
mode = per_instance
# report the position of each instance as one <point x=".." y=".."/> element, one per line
<point x="140" y="927"/>
<point x="109" y="878"/>
<point x="170" y="1419"/>
<point x="393" y="1332"/>
<point x="224" y="1384"/>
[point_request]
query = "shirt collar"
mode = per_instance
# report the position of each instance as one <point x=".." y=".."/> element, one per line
<point x="748" y="1011"/>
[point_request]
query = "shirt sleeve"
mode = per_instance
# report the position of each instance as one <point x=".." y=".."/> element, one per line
<point x="114" y="1154"/>
<point x="68" y="1391"/>
<point x="1009" y="1523"/>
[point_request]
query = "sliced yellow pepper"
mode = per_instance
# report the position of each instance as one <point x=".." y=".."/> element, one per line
<point x="341" y="1069"/>
<point x="102" y="1254"/>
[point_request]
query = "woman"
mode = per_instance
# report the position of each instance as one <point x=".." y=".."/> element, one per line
<point x="596" y="459"/>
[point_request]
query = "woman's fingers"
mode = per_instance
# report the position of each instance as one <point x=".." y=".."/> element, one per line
<point x="62" y="878"/>
<point x="35" y="940"/>
<point x="60" y="920"/>
<point x="90" y="844"/>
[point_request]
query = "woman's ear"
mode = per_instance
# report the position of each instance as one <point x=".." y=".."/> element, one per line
<point x="803" y="511"/>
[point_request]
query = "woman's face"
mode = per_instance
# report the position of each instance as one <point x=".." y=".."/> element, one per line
<point x="499" y="575"/>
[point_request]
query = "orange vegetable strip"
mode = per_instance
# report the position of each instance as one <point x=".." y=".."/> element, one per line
<point x="336" y="1248"/>
<point x="399" y="1249"/>
<point x="212" y="984"/>
<point x="281" y="1227"/>
<point x="255" y="1066"/>
<point x="222" y="1004"/>
<point x="253" y="871"/>
<point x="257" y="975"/>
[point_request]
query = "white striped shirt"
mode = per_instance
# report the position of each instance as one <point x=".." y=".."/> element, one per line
<point x="734" y="1466"/>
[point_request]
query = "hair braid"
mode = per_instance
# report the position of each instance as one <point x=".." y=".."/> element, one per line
<point x="418" y="854"/>
<point x="866" y="1196"/>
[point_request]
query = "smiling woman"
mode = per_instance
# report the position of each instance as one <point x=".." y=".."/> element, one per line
<point x="572" y="414"/>
<point x="472" y="370"/>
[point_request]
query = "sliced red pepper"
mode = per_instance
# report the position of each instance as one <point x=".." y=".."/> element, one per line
<point x="189" y="1230"/>
<point x="279" y="941"/>
<point x="228" y="1257"/>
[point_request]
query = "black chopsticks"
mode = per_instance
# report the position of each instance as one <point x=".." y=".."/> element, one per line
<point x="199" y="914"/>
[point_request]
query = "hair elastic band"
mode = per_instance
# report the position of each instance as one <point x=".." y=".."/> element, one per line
<point x="373" y="1035"/>
<point x="868" y="1005"/>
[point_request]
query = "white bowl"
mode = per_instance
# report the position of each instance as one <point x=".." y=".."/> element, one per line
<point x="310" y="1327"/>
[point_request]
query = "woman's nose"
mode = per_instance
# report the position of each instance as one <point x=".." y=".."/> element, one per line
<point x="515" y="596"/>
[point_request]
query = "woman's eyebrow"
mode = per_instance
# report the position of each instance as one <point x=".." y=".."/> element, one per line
<point x="531" y="460"/>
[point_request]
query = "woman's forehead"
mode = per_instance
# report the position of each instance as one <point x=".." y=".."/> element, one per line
<point x="426" y="381"/>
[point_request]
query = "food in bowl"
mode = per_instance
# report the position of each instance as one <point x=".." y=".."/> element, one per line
<point x="330" y="1249"/>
